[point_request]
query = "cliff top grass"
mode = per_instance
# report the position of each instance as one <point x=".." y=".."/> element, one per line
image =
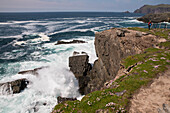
<point x="116" y="97"/>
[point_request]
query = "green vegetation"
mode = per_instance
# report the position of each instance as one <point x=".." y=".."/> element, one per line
<point x="116" y="97"/>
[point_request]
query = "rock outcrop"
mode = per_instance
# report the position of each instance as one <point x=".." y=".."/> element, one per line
<point x="70" y="42"/>
<point x="111" y="47"/>
<point x="13" y="87"/>
<point x="146" y="9"/>
<point x="155" y="18"/>
<point x="80" y="67"/>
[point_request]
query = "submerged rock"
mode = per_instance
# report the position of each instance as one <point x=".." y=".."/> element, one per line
<point x="70" y="42"/>
<point x="63" y="99"/>
<point x="14" y="86"/>
<point x="34" y="71"/>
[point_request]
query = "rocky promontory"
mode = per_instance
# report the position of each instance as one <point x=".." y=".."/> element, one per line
<point x="146" y="9"/>
<point x="111" y="47"/>
<point x="155" y="18"/>
<point x="129" y="62"/>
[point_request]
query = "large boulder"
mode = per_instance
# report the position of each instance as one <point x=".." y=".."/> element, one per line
<point x="13" y="87"/>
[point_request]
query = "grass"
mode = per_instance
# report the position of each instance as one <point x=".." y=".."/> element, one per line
<point x="152" y="61"/>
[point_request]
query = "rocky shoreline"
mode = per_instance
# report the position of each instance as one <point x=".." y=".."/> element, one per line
<point x="97" y="82"/>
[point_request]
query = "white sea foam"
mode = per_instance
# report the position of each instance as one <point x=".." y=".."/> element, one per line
<point x="131" y="21"/>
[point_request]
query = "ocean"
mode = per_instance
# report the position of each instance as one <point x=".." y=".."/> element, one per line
<point x="27" y="41"/>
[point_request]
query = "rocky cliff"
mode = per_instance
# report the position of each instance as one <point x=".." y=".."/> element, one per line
<point x="156" y="18"/>
<point x="111" y="47"/>
<point x="146" y="9"/>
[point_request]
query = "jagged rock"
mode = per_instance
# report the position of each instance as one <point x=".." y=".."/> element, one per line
<point x="14" y="86"/>
<point x="62" y="99"/>
<point x="80" y="67"/>
<point x="75" y="53"/>
<point x="83" y="53"/>
<point x="70" y="42"/>
<point x="34" y="71"/>
<point x="120" y="33"/>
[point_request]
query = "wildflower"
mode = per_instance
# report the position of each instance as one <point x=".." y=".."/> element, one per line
<point x="145" y="71"/>
<point x="110" y="104"/>
<point x="111" y="93"/>
<point x="153" y="59"/>
<point x="89" y="103"/>
<point x="156" y="66"/>
<point x="163" y="58"/>
<point x="168" y="61"/>
<point x="98" y="99"/>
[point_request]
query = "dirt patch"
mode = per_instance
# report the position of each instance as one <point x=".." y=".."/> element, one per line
<point x="149" y="99"/>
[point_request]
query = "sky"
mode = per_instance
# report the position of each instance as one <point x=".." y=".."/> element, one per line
<point x="75" y="5"/>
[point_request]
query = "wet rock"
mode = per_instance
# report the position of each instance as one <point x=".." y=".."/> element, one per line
<point x="33" y="72"/>
<point x="75" y="53"/>
<point x="80" y="67"/>
<point x="70" y="42"/>
<point x="14" y="86"/>
<point x="62" y="99"/>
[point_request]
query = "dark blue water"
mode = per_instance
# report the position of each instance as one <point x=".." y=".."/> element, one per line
<point x="21" y="31"/>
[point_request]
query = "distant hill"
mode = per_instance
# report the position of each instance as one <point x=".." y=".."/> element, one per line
<point x="154" y="9"/>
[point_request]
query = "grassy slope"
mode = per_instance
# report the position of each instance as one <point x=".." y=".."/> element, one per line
<point x="153" y="61"/>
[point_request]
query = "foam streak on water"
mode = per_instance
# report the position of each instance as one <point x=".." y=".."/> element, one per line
<point x="27" y="41"/>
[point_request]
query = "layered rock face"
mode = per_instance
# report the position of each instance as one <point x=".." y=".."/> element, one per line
<point x="146" y="9"/>
<point x="111" y="47"/>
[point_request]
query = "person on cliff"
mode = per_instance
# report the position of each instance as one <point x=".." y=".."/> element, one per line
<point x="149" y="25"/>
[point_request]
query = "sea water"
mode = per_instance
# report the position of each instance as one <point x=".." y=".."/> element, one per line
<point x="27" y="41"/>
